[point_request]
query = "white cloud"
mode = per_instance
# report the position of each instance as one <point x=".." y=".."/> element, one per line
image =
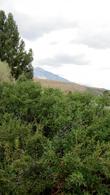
<point x="32" y="29"/>
<point x="61" y="59"/>
<point x="99" y="38"/>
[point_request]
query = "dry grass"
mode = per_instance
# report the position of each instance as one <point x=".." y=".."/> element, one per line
<point x="66" y="87"/>
<point x="5" y="72"/>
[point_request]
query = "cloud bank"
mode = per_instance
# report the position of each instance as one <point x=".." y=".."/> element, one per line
<point x="61" y="59"/>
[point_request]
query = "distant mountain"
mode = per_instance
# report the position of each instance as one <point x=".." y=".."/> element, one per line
<point x="43" y="74"/>
<point x="55" y="81"/>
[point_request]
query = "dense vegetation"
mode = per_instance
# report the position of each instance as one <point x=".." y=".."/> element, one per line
<point x="53" y="143"/>
<point x="12" y="47"/>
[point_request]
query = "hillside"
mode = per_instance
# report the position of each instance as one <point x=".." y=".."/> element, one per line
<point x="67" y="86"/>
<point x="50" y="80"/>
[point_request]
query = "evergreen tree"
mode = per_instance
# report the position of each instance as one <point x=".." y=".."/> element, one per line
<point x="12" y="47"/>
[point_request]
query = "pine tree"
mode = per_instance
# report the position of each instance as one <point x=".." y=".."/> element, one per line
<point x="12" y="47"/>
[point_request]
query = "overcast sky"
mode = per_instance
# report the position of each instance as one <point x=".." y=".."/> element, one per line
<point x="69" y="37"/>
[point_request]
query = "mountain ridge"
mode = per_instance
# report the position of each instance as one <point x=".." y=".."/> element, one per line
<point x="40" y="73"/>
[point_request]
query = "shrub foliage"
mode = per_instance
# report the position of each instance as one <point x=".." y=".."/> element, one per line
<point x="51" y="143"/>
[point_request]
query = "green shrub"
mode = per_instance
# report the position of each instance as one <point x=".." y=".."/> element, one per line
<point x="52" y="143"/>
